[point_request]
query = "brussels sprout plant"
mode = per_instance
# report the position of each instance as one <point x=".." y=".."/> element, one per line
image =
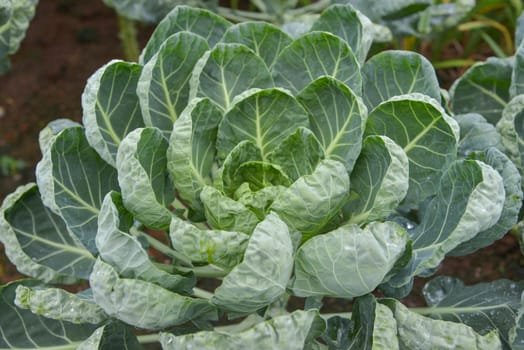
<point x="273" y="167"/>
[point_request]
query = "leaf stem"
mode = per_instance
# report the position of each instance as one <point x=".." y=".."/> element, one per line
<point x="313" y="7"/>
<point x="210" y="271"/>
<point x="340" y="314"/>
<point x="149" y="338"/>
<point x="128" y="37"/>
<point x="243" y="16"/>
<point x="201" y="293"/>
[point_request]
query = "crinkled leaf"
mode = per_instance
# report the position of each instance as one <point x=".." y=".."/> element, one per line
<point x="113" y="335"/>
<point x="290" y="332"/>
<point x="260" y="175"/>
<point x="259" y="202"/>
<point x="313" y="200"/>
<point x="348" y="261"/>
<point x="314" y="55"/>
<point x="245" y="151"/>
<point x="507" y="127"/>
<point x="337" y="118"/>
<point x="48" y="134"/>
<point x="476" y="134"/>
<point x="111" y="107"/>
<point x="38" y="242"/>
<point x="484" y="307"/>
<point x="426" y="133"/>
<point x="517" y="75"/>
<point x="264" y="117"/>
<point x="144" y="304"/>
<point x="226" y="71"/>
<point x="262" y="277"/>
<point x="484" y="88"/>
<point x="21" y="328"/>
<point x="221" y="248"/>
<point x="265" y="39"/>
<point x="163" y="88"/>
<point x="184" y="18"/>
<point x="379" y="181"/>
<point x="516" y="334"/>
<point x="125" y="253"/>
<point x="147" y="188"/>
<point x="393" y="73"/>
<point x="57" y="304"/>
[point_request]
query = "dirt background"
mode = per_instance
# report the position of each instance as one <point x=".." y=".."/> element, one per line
<point x="66" y="42"/>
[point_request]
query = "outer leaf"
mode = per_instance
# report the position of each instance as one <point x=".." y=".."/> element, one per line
<point x="425" y="132"/>
<point x="337" y="117"/>
<point x="476" y="134"/>
<point x="114" y="335"/>
<point x="57" y="304"/>
<point x="484" y="306"/>
<point x="510" y="134"/>
<point x="484" y="88"/>
<point x="38" y="242"/>
<point x="290" y="332"/>
<point x="264" y="117"/>
<point x="393" y="73"/>
<point x="517" y="75"/>
<point x="265" y="39"/>
<point x="21" y="328"/>
<point x="147" y="11"/>
<point x="163" y="88"/>
<point x="48" y="134"/>
<point x="262" y="276"/>
<point x="221" y="248"/>
<point x="125" y="253"/>
<point x="111" y="107"/>
<point x="147" y="188"/>
<point x="348" y="261"/>
<point x="313" y="200"/>
<point x="191" y="151"/>
<point x="226" y="71"/>
<point x="184" y="18"/>
<point x="379" y="181"/>
<point x="144" y="304"/>
<point x="314" y="55"/>
<point x="516" y="334"/>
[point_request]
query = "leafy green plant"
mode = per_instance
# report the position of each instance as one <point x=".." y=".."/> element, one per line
<point x="276" y="166"/>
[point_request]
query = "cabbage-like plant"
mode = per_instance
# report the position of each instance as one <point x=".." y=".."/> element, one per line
<point x="234" y="167"/>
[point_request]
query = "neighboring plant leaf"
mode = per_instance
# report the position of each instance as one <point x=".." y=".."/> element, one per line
<point x="337" y="118"/>
<point x="227" y="71"/>
<point x="106" y="118"/>
<point x="184" y="18"/>
<point x="314" y="55"/>
<point x="484" y="88"/>
<point x="507" y="129"/>
<point x="23" y="329"/>
<point x="348" y="262"/>
<point x="425" y="132"/>
<point x="38" y="242"/>
<point x="113" y="335"/>
<point x="392" y="73"/>
<point x="269" y="256"/>
<point x="265" y="39"/>
<point x="476" y="134"/>
<point x="163" y="88"/>
<point x="290" y="332"/>
<point x="517" y="76"/>
<point x="143" y="304"/>
<point x="147" y="188"/>
<point x="516" y="334"/>
<point x="313" y="200"/>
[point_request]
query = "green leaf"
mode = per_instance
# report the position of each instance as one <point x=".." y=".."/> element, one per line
<point x="143" y="304"/>
<point x="484" y="89"/>
<point x="125" y="253"/>
<point x="262" y="277"/>
<point x="507" y="127"/>
<point x="419" y="332"/>
<point x="260" y="175"/>
<point x="476" y="134"/>
<point x="314" y="55"/>
<point x="392" y="73"/>
<point x="337" y="118"/>
<point x="517" y="75"/>
<point x="80" y="180"/>
<point x="227" y="71"/>
<point x="48" y="134"/>
<point x="191" y="151"/>
<point x="348" y="262"/>
<point x="290" y="332"/>
<point x="163" y="88"/>
<point x="427" y="134"/>
<point x="245" y="151"/>
<point x="298" y="155"/>
<point x="259" y="202"/>
<point x="38" y="242"/>
<point x="264" y="117"/>
<point x="184" y="18"/>
<point x="111" y="107"/>
<point x="313" y="200"/>
<point x="147" y="188"/>
<point x="484" y="307"/>
<point x="21" y="328"/>
<point x="113" y="335"/>
<point x="379" y="181"/>
<point x="265" y="39"/>
<point x="223" y="213"/>
<point x="516" y="335"/>
<point x="221" y="248"/>
<point x="57" y="304"/>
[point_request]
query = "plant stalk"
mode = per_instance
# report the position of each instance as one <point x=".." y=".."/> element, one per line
<point x="128" y="37"/>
